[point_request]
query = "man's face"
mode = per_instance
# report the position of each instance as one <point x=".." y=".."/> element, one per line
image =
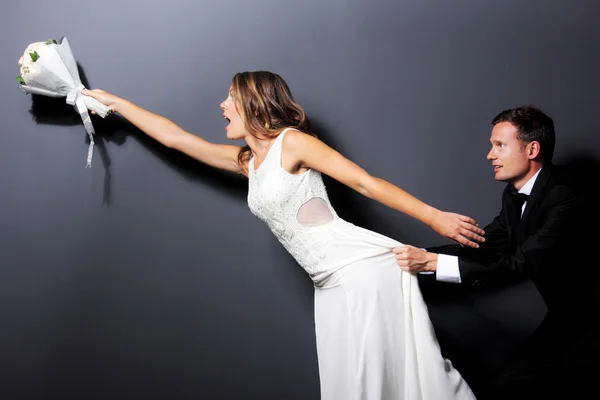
<point x="510" y="157"/>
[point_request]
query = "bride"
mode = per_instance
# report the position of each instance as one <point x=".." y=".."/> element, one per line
<point x="374" y="337"/>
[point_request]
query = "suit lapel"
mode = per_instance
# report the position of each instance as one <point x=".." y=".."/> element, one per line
<point x="510" y="205"/>
<point x="537" y="194"/>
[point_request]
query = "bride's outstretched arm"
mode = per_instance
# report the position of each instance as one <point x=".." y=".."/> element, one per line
<point x="312" y="153"/>
<point x="166" y="132"/>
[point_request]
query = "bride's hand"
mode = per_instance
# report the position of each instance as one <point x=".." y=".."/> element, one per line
<point x="109" y="100"/>
<point x="459" y="228"/>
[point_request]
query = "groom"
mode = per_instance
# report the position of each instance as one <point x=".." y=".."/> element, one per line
<point x="536" y="236"/>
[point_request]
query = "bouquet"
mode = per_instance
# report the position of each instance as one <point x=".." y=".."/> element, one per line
<point x="49" y="69"/>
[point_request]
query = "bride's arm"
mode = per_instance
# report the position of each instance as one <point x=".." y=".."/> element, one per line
<point x="310" y="152"/>
<point x="166" y="132"/>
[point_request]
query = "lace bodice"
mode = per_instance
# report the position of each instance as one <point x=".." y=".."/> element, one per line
<point x="293" y="206"/>
<point x="297" y="210"/>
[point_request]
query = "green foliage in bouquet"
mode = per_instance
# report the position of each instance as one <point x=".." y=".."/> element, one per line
<point x="35" y="56"/>
<point x="54" y="41"/>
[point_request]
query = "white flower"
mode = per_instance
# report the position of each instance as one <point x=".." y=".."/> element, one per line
<point x="26" y="62"/>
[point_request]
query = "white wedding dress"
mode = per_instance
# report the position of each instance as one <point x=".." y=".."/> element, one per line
<point x="374" y="337"/>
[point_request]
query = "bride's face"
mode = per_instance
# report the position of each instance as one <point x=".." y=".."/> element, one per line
<point x="236" y="127"/>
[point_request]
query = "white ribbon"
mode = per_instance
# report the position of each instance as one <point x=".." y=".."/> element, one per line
<point x="75" y="98"/>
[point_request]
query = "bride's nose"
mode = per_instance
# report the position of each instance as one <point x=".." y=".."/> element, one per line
<point x="222" y="105"/>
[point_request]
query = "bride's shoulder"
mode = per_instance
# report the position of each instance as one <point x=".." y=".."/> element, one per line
<point x="293" y="137"/>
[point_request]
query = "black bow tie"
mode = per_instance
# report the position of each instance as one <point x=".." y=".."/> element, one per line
<point x="520" y="197"/>
<point x="516" y="200"/>
<point x="517" y="197"/>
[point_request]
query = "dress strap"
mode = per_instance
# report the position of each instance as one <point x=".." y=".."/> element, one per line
<point x="273" y="154"/>
<point x="279" y="144"/>
<point x="283" y="132"/>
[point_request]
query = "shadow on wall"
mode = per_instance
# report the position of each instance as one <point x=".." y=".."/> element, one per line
<point x="584" y="168"/>
<point x="115" y="129"/>
<point x="582" y="354"/>
<point x="349" y="204"/>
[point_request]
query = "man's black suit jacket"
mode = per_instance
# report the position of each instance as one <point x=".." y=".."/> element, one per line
<point x="548" y="246"/>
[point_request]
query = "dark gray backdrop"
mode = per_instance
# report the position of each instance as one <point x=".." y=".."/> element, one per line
<point x="146" y="276"/>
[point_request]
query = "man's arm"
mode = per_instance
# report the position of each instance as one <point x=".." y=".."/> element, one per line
<point x="537" y="250"/>
<point x="492" y="262"/>
<point x="443" y="260"/>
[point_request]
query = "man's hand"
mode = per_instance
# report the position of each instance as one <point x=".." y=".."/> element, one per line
<point x="414" y="260"/>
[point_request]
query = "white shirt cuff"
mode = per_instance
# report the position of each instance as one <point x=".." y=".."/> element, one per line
<point x="447" y="269"/>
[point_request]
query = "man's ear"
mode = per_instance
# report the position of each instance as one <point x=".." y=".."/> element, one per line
<point x="533" y="150"/>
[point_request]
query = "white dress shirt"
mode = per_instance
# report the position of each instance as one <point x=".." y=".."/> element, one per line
<point x="447" y="266"/>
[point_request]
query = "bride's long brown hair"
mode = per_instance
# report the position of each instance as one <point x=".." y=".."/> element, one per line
<point x="268" y="107"/>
